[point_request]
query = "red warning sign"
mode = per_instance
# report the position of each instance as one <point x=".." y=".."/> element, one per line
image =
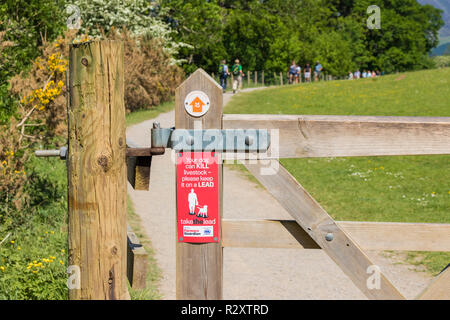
<point x="197" y="197"/>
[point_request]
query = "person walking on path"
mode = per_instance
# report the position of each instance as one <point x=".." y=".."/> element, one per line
<point x="307" y="73"/>
<point x="236" y="69"/>
<point x="318" y="69"/>
<point x="292" y="72"/>
<point x="224" y="73"/>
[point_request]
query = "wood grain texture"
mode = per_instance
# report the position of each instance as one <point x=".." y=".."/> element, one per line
<point x="368" y="235"/>
<point x="317" y="223"/>
<point x="199" y="266"/>
<point x="347" y="136"/>
<point x="137" y="261"/>
<point x="96" y="170"/>
<point x="439" y="289"/>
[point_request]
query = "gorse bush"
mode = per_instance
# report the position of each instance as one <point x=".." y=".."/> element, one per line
<point x="150" y="77"/>
<point x="24" y="23"/>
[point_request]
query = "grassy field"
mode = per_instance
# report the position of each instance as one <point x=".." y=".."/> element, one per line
<point x="397" y="189"/>
<point x="424" y="93"/>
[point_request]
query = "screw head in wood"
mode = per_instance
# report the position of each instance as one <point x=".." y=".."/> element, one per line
<point x="329" y="237"/>
<point x="190" y="140"/>
<point x="248" y="140"/>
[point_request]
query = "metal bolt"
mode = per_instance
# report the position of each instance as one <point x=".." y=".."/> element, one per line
<point x="61" y="153"/>
<point x="248" y="140"/>
<point x="181" y="238"/>
<point x="156" y="125"/>
<point x="215" y="238"/>
<point x="329" y="237"/>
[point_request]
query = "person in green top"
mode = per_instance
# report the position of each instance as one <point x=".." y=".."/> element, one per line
<point x="236" y="70"/>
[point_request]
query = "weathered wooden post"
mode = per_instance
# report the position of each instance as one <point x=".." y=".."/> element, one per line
<point x="281" y="78"/>
<point x="262" y="78"/>
<point x="199" y="265"/>
<point x="256" y="78"/>
<point x="248" y="78"/>
<point x="97" y="171"/>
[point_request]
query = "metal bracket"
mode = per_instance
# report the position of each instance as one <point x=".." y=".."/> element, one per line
<point x="229" y="140"/>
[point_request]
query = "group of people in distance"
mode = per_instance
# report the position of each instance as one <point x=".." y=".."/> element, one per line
<point x="295" y="72"/>
<point x="365" y="74"/>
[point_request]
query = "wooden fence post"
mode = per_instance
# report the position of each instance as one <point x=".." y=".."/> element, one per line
<point x="262" y="78"/>
<point x="281" y="78"/>
<point x="256" y="78"/>
<point x="97" y="171"/>
<point x="199" y="266"/>
<point x="248" y="78"/>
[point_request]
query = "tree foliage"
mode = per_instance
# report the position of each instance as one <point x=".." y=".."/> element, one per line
<point x="268" y="34"/>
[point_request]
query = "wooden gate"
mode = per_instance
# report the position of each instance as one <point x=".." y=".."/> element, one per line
<point x="97" y="176"/>
<point x="312" y="227"/>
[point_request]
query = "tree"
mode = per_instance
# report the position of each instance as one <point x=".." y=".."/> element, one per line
<point x="268" y="34"/>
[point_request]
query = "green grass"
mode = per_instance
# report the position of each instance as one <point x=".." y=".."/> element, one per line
<point x="33" y="259"/>
<point x="396" y="189"/>
<point x="146" y="114"/>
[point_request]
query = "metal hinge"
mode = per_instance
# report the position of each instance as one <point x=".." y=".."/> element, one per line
<point x="228" y="140"/>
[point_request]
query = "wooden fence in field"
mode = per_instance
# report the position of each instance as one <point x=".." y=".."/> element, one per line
<point x="263" y="78"/>
<point x="97" y="174"/>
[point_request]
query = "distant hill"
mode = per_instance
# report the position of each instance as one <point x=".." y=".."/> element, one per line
<point x="445" y="6"/>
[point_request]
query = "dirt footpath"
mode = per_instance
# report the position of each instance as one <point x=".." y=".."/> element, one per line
<point x="250" y="273"/>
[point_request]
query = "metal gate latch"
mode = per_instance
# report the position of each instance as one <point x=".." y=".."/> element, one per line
<point x="228" y="140"/>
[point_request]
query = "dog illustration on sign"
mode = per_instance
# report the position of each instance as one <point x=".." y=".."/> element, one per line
<point x="193" y="202"/>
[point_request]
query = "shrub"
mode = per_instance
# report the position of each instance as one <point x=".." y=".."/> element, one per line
<point x="442" y="61"/>
<point x="139" y="17"/>
<point x="23" y="24"/>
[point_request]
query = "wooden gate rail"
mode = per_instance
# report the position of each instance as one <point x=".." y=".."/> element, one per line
<point x="321" y="227"/>
<point x="439" y="288"/>
<point x="369" y="235"/>
<point x="302" y="136"/>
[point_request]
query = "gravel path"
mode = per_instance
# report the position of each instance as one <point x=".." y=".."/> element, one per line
<point x="250" y="273"/>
